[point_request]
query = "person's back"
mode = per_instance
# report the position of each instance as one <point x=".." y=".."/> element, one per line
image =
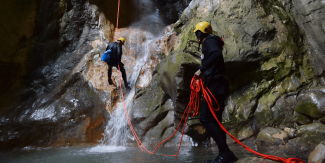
<point x="116" y="53"/>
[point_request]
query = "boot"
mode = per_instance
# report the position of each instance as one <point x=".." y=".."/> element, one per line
<point x="127" y="85"/>
<point x="224" y="157"/>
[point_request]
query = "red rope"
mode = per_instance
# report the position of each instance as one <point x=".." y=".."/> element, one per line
<point x="140" y="144"/>
<point x="118" y="14"/>
<point x="196" y="84"/>
<point x="207" y="93"/>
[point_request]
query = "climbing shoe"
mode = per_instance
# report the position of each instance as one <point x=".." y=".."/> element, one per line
<point x="224" y="157"/>
<point x="127" y="85"/>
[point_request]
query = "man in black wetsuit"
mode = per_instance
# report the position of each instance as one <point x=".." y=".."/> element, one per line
<point x="211" y="70"/>
<point x="115" y="60"/>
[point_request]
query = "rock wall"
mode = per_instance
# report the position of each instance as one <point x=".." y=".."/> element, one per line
<point x="50" y="102"/>
<point x="273" y="62"/>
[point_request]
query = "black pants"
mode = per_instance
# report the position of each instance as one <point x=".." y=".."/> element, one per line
<point x="211" y="125"/>
<point x="109" y="72"/>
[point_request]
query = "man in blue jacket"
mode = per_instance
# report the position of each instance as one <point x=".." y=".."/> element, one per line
<point x="115" y="60"/>
<point x="211" y="70"/>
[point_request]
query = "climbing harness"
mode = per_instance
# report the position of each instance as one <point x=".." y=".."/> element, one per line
<point x="193" y="108"/>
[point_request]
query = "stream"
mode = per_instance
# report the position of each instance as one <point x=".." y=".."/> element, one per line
<point x="113" y="154"/>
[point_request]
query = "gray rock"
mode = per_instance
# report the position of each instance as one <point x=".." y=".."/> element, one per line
<point x="318" y="154"/>
<point x="245" y="133"/>
<point x="272" y="136"/>
<point x="291" y="146"/>
<point x="301" y="130"/>
<point x="309" y="141"/>
<point x="290" y="132"/>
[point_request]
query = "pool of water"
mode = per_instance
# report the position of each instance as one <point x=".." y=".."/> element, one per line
<point x="110" y="154"/>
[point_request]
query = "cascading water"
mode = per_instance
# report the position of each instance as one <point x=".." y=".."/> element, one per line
<point x="151" y="27"/>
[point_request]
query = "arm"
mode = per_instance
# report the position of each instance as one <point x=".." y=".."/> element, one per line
<point x="213" y="52"/>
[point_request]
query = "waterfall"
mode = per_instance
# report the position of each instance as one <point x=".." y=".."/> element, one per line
<point x="116" y="132"/>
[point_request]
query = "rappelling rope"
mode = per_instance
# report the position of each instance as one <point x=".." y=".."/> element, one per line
<point x="118" y="14"/>
<point x="196" y="84"/>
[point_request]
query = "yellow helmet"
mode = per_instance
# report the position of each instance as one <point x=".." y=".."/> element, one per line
<point x="122" y="40"/>
<point x="204" y="27"/>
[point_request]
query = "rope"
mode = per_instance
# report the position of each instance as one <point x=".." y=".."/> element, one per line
<point x="193" y="107"/>
<point x="207" y="93"/>
<point x="194" y="103"/>
<point x="118" y="14"/>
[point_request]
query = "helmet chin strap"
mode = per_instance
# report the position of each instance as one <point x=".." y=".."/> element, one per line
<point x="198" y="48"/>
<point x="199" y="35"/>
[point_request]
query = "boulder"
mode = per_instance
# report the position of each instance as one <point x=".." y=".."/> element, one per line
<point x="290" y="147"/>
<point x="310" y="140"/>
<point x="318" y="155"/>
<point x="271" y="136"/>
<point x="290" y="132"/>
<point x="301" y="130"/>
<point x="245" y="133"/>
<point x="312" y="103"/>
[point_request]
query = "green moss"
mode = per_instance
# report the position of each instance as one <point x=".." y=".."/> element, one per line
<point x="308" y="109"/>
<point x="302" y="120"/>
<point x="263" y="117"/>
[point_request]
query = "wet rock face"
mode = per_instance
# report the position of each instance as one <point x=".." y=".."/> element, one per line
<point x="309" y="16"/>
<point x="171" y="10"/>
<point x="57" y="105"/>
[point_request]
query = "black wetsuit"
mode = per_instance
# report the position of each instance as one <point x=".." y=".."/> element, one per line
<point x="115" y="61"/>
<point x="212" y="68"/>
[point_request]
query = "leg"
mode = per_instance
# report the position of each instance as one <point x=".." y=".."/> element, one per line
<point x="109" y="73"/>
<point x="212" y="126"/>
<point x="216" y="132"/>
<point x="123" y="74"/>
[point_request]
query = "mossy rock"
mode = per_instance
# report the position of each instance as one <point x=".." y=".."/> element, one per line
<point x="309" y="109"/>
<point x="303" y="120"/>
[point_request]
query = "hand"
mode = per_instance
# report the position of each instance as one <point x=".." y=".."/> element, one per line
<point x="198" y="74"/>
